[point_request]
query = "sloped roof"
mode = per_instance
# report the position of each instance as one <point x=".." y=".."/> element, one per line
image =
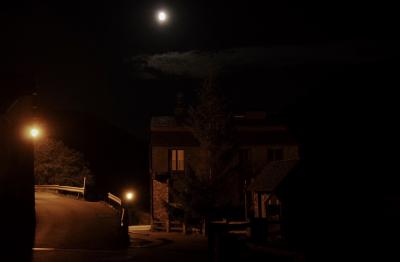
<point x="167" y="131"/>
<point x="255" y="119"/>
<point x="272" y="175"/>
<point x="163" y="121"/>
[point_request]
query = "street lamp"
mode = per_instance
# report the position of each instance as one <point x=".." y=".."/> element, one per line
<point x="35" y="132"/>
<point x="129" y="196"/>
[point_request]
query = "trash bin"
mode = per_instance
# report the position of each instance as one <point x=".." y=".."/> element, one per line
<point x="223" y="246"/>
<point x="259" y="230"/>
<point x="217" y="241"/>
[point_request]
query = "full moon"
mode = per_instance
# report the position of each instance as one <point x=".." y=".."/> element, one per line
<point x="162" y="16"/>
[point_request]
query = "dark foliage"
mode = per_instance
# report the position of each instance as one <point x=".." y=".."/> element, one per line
<point x="55" y="163"/>
<point x="209" y="188"/>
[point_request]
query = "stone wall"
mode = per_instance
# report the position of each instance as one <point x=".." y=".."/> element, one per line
<point x="160" y="197"/>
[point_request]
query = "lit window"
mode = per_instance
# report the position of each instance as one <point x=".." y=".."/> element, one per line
<point x="177" y="160"/>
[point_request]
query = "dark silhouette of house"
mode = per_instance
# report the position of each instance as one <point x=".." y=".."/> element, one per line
<point x="266" y="204"/>
<point x="172" y="145"/>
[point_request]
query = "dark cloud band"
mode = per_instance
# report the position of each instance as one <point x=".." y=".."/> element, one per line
<point x="198" y="64"/>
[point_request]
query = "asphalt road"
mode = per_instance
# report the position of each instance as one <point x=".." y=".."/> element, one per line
<point x="66" y="223"/>
<point x="75" y="230"/>
<point x="145" y="246"/>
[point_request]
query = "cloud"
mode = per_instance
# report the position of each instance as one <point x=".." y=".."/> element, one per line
<point x="198" y="64"/>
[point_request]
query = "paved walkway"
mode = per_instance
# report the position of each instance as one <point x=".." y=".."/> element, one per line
<point x="150" y="246"/>
<point x="161" y="246"/>
<point x="63" y="234"/>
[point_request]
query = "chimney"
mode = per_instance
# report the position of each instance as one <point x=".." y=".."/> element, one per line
<point x="180" y="108"/>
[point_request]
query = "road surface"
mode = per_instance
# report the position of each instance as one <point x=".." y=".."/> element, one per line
<point x="65" y="223"/>
<point x="74" y="230"/>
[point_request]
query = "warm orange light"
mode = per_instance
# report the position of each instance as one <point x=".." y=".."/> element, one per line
<point x="130" y="196"/>
<point x="34" y="132"/>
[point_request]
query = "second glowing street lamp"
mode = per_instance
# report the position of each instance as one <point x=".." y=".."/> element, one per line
<point x="129" y="196"/>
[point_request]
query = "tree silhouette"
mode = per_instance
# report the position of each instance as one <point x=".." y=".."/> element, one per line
<point x="55" y="163"/>
<point x="210" y="185"/>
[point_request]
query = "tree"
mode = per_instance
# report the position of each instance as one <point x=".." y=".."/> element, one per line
<point x="211" y="186"/>
<point x="55" y="163"/>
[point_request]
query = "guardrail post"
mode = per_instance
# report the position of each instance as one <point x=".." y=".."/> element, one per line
<point x="168" y="226"/>
<point x="184" y="231"/>
<point x="124" y="219"/>
<point x="84" y="187"/>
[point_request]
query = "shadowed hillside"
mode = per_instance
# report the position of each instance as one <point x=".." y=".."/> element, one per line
<point x="116" y="158"/>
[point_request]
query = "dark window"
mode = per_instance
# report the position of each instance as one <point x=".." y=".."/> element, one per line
<point x="244" y="156"/>
<point x="177" y="160"/>
<point x="275" y="154"/>
<point x="274" y="210"/>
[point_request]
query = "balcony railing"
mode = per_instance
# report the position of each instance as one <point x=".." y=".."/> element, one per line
<point x="161" y="176"/>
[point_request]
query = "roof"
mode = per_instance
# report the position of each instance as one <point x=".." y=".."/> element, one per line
<point x="272" y="175"/>
<point x="252" y="130"/>
<point x="184" y="137"/>
<point x="255" y="119"/>
<point x="163" y="121"/>
<point x="177" y="138"/>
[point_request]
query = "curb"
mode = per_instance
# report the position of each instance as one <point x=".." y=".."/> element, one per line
<point x="140" y="228"/>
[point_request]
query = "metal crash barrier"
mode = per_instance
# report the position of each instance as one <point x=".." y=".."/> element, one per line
<point x="58" y="188"/>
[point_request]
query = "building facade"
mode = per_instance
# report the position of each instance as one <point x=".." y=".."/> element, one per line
<point x="267" y="205"/>
<point x="173" y="146"/>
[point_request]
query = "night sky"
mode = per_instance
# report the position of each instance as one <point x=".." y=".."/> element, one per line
<point x="102" y="68"/>
<point x="112" y="59"/>
<point x="112" y="62"/>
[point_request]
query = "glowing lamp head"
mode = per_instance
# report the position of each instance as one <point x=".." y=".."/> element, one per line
<point x="130" y="196"/>
<point x="34" y="132"/>
<point x="162" y="16"/>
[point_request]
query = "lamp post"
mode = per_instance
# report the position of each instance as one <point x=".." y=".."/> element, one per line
<point x="127" y="199"/>
<point x="34" y="133"/>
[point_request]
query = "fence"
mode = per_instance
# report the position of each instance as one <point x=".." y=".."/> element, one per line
<point x="168" y="226"/>
<point x="58" y="188"/>
<point x="115" y="199"/>
<point x="117" y="203"/>
<point x="232" y="227"/>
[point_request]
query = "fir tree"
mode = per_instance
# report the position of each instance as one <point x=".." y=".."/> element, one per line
<point x="211" y="186"/>
<point x="55" y="163"/>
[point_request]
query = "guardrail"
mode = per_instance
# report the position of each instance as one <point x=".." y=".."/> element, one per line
<point x="234" y="227"/>
<point x="169" y="226"/>
<point x="115" y="199"/>
<point x="79" y="190"/>
<point x="116" y="202"/>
